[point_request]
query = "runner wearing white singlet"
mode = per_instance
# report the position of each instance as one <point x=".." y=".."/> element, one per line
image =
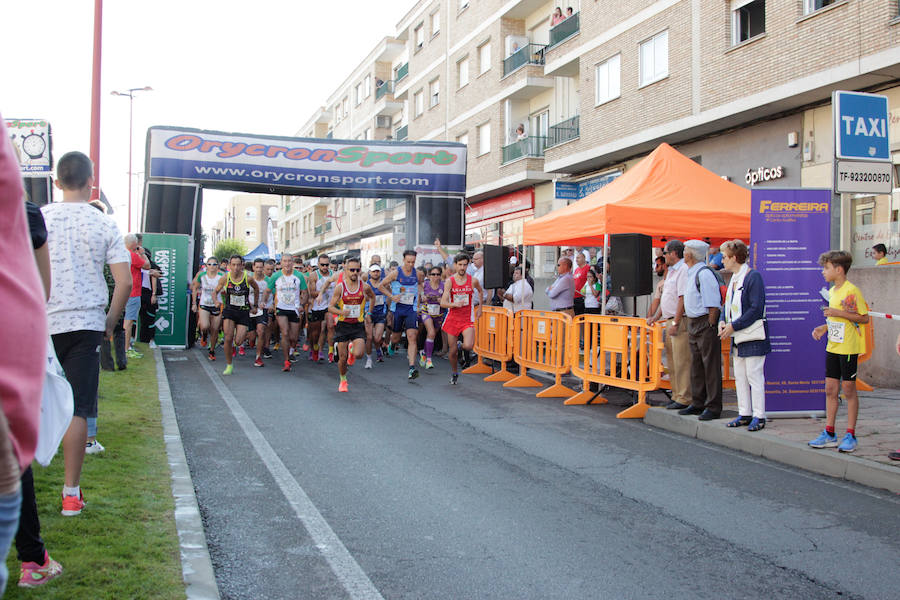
<point x="259" y="317"/>
<point x="208" y="314"/>
<point x="321" y="286"/>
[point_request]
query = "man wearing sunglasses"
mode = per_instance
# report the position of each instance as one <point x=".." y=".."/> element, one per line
<point x="204" y="303"/>
<point x="410" y="281"/>
<point x="347" y="304"/>
<point x="321" y="287"/>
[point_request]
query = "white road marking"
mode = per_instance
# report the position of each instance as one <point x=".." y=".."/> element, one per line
<point x="346" y="569"/>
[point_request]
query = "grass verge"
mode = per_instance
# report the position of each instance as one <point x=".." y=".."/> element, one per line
<point x="124" y="543"/>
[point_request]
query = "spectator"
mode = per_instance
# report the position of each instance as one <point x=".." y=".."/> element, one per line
<point x="557" y="17"/>
<point x="715" y="258"/>
<point x="580" y="275"/>
<point x="569" y="12"/>
<point x="139" y="263"/>
<point x="745" y="309"/>
<point x="660" y="268"/>
<point x="702" y="305"/>
<point x="149" y="291"/>
<point x="562" y="292"/>
<point x="879" y="251"/>
<point x="521" y="136"/>
<point x="592" y="293"/>
<point x="520" y="294"/>
<point x="671" y="314"/>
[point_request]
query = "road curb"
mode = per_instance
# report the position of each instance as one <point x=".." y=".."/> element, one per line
<point x="796" y="454"/>
<point x="196" y="564"/>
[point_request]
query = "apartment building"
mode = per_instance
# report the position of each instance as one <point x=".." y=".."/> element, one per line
<point x="247" y="218"/>
<point x="554" y="108"/>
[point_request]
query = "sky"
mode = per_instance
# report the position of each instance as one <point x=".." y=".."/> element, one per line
<point x="212" y="64"/>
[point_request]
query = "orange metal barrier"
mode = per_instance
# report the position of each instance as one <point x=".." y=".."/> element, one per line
<point x="870" y="349"/>
<point x="493" y="340"/>
<point x="727" y="371"/>
<point x="622" y="352"/>
<point x="540" y="341"/>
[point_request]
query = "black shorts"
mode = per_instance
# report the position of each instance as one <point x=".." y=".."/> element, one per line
<point x="347" y="332"/>
<point x="240" y="317"/>
<point x="291" y="315"/>
<point x="79" y="354"/>
<point x="317" y="315"/>
<point x="841" y="366"/>
<point x="262" y="319"/>
<point x="213" y="310"/>
<point x="379" y="317"/>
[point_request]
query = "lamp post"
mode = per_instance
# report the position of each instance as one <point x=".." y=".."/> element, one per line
<point x="130" y="94"/>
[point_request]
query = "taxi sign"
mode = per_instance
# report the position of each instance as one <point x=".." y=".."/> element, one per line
<point x="861" y="126"/>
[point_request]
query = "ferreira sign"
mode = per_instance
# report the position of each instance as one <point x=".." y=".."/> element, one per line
<point x="309" y="166"/>
<point x="171" y="253"/>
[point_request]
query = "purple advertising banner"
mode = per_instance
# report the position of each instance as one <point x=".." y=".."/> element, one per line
<point x="789" y="229"/>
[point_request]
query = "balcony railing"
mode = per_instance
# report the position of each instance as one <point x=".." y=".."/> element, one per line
<point x="401" y="133"/>
<point x="564" y="30"/>
<point x="323" y="228"/>
<point x="531" y="54"/>
<point x="563" y="132"/>
<point x="403" y="71"/>
<point x="532" y="147"/>
<point x="385" y="88"/>
<point x="383" y="204"/>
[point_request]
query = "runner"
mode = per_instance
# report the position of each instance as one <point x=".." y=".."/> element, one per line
<point x="410" y="282"/>
<point x="321" y="287"/>
<point x="375" y="320"/>
<point x="347" y="304"/>
<point x="431" y="314"/>
<point x="300" y="272"/>
<point x="208" y="315"/>
<point x="389" y="322"/>
<point x="290" y="295"/>
<point x="458" y="298"/>
<point x="259" y="318"/>
<point x="235" y="299"/>
<point x="272" y="327"/>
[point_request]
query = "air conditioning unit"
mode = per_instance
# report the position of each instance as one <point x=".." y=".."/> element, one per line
<point x="383" y="121"/>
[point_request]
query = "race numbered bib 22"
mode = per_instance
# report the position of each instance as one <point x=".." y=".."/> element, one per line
<point x="836" y="332"/>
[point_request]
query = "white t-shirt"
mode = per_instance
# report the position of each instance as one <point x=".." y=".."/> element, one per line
<point x="80" y="240"/>
<point x="207" y="287"/>
<point x="287" y="291"/>
<point x="263" y="286"/>
<point x="324" y="298"/>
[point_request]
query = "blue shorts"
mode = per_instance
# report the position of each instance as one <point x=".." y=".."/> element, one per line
<point x="132" y="308"/>
<point x="379" y="317"/>
<point x="405" y="318"/>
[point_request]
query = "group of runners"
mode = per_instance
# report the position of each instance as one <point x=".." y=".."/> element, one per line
<point x="347" y="313"/>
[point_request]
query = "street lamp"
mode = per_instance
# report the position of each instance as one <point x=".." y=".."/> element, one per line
<point x="130" y="92"/>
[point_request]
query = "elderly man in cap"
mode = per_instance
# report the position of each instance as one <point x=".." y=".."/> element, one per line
<point x="702" y="304"/>
<point x="671" y="313"/>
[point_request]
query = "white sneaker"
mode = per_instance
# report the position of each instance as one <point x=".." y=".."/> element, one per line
<point x="368" y="362"/>
<point x="93" y="447"/>
<point x="152" y="344"/>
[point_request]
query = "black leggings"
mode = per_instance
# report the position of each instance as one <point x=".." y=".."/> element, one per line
<point x="29" y="544"/>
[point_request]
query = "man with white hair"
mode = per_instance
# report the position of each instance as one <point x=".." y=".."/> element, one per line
<point x="702" y="304"/>
<point x="139" y="262"/>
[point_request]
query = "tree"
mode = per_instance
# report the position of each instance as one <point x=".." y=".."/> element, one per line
<point x="227" y="247"/>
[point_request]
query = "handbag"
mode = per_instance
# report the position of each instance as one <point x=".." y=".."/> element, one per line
<point x="754" y="333"/>
<point x="57" y="407"/>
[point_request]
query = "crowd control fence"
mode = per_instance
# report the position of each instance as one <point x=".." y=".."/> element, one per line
<point x="870" y="349"/>
<point x="493" y="340"/>
<point x="540" y="341"/>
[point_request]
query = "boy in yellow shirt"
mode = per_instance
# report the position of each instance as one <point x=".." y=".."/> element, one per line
<point x="879" y="252"/>
<point x="845" y="316"/>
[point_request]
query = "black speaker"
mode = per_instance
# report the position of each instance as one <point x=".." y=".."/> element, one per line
<point x="171" y="208"/>
<point x="38" y="189"/>
<point x="631" y="264"/>
<point x="439" y="217"/>
<point x="497" y="270"/>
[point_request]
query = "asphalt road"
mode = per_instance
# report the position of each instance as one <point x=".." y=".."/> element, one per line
<point x="424" y="490"/>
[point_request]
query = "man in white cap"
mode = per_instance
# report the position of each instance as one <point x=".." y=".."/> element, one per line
<point x="702" y="304"/>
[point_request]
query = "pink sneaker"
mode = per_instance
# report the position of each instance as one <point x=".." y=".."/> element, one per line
<point x="72" y="505"/>
<point x="34" y="575"/>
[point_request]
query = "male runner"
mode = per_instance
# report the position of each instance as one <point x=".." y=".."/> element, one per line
<point x="410" y="281"/>
<point x="290" y="294"/>
<point x="458" y="298"/>
<point x="203" y="296"/>
<point x="235" y="304"/>
<point x="259" y="318"/>
<point x="375" y="320"/>
<point x="347" y="304"/>
<point x="321" y="288"/>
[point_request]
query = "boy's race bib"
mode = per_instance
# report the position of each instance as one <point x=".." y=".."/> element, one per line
<point x="836" y="332"/>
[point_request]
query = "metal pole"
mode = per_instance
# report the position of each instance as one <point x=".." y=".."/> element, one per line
<point x="95" y="97"/>
<point x="603" y="272"/>
<point x="130" y="147"/>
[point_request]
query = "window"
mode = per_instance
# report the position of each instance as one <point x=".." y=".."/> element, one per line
<point x="368" y="135"/>
<point x="367" y="86"/>
<point x="463" y="138"/>
<point x="337" y="113"/>
<point x="250" y="232"/>
<point x="608" y="79"/>
<point x="484" y="138"/>
<point x="811" y="6"/>
<point x="435" y="22"/>
<point x="655" y="58"/>
<point x="462" y="71"/>
<point x="434" y="93"/>
<point x="419" y="103"/>
<point x="250" y="212"/>
<point x="484" y="57"/>
<point x="345" y="106"/>
<point x="419" y="32"/>
<point x="748" y="19"/>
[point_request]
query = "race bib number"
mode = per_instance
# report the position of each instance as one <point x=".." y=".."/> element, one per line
<point x="287" y="298"/>
<point x="353" y="310"/>
<point x="836" y="332"/>
<point x="407" y="299"/>
<point x="379" y="300"/>
<point x="434" y="309"/>
<point x="460" y="298"/>
<point x="238" y="301"/>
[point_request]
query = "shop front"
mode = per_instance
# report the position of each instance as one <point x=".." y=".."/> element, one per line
<point x="499" y="220"/>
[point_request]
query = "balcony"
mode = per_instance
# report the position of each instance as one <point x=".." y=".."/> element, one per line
<point x="383" y="204"/>
<point x="564" y="30"/>
<point x="530" y="54"/>
<point x="401" y="133"/>
<point x="403" y="71"/>
<point x="531" y="147"/>
<point x="563" y="132"/>
<point x="385" y="88"/>
<point x="323" y="228"/>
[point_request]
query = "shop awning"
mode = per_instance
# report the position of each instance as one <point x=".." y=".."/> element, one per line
<point x="665" y="195"/>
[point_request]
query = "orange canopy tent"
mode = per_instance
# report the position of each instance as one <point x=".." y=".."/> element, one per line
<point x="665" y="194"/>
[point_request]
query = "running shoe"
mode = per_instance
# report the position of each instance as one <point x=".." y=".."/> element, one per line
<point x="277" y="346"/>
<point x="454" y="377"/>
<point x="421" y="358"/>
<point x="203" y="341"/>
<point x="825" y="440"/>
<point x="368" y="362"/>
<point x="287" y="366"/>
<point x="251" y="344"/>
<point x="241" y="350"/>
<point x="351" y="358"/>
<point x="72" y="505"/>
<point x="306" y="347"/>
<point x="258" y="362"/>
<point x="331" y="357"/>
<point x="413" y="373"/>
<point x="132" y="353"/>
<point x="233" y="352"/>
<point x="379" y="357"/>
<point x="314" y="355"/>
<point x="266" y="353"/>
<point x="848" y="444"/>
<point x="228" y="370"/>
<point x="429" y="364"/>
<point x="212" y="355"/>
<point x="34" y="574"/>
<point x="93" y="447"/>
<point x="343" y="387"/>
<point x="390" y="349"/>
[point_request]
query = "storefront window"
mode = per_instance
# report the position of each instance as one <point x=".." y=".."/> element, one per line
<point x="875" y="220"/>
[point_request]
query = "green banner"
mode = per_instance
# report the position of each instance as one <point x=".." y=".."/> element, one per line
<point x="172" y="253"/>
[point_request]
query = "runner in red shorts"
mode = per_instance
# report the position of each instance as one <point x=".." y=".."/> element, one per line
<point x="458" y="298"/>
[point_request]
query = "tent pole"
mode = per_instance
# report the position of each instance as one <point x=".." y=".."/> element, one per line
<point x="603" y="272"/>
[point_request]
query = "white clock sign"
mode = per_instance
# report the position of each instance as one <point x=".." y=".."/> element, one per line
<point x="32" y="139"/>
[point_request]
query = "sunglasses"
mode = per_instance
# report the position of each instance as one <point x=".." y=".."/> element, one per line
<point x="212" y="264"/>
<point x="353" y="270"/>
<point x="435" y="274"/>
<point x="324" y="264"/>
